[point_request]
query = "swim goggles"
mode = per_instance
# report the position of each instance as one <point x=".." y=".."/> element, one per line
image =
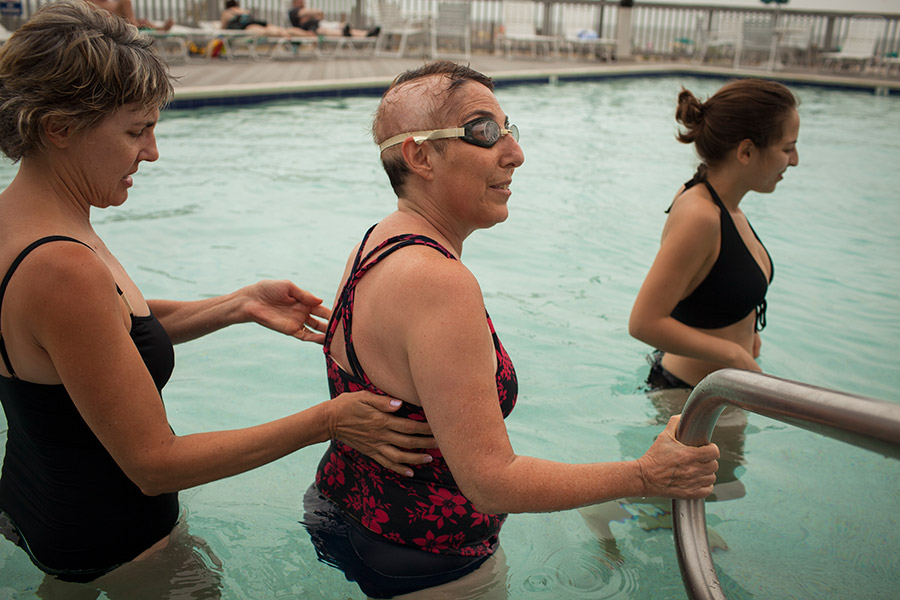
<point x="483" y="132"/>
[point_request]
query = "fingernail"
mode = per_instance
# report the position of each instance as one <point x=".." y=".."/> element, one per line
<point x="409" y="473"/>
<point x="396" y="402"/>
<point x="428" y="458"/>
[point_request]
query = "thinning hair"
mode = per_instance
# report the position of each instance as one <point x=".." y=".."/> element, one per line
<point x="417" y="100"/>
<point x="76" y="61"/>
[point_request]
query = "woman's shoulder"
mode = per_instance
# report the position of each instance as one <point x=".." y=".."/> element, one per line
<point x="426" y="264"/>
<point x="693" y="218"/>
<point x="58" y="263"/>
<point x="694" y="203"/>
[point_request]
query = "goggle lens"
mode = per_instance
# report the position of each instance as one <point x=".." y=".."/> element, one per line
<point x="485" y="132"/>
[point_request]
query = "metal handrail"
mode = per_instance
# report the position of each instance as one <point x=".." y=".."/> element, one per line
<point x="864" y="422"/>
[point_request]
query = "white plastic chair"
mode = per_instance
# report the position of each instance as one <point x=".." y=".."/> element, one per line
<point x="758" y="37"/>
<point x="5" y="34"/>
<point x="794" y="41"/>
<point x="452" y="21"/>
<point x="723" y="35"/>
<point x="519" y="28"/>
<point x="394" y="23"/>
<point x="860" y="43"/>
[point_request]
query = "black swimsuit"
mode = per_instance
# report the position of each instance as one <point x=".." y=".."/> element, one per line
<point x="67" y="502"/>
<point x="242" y="21"/>
<point x="734" y="287"/>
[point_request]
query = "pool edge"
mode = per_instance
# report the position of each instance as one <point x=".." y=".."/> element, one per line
<point x="243" y="94"/>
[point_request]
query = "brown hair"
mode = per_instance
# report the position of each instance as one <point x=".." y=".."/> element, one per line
<point x="747" y="109"/>
<point x="77" y="61"/>
<point x="388" y="122"/>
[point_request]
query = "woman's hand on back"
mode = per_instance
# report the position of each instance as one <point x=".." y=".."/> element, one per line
<point x="363" y="421"/>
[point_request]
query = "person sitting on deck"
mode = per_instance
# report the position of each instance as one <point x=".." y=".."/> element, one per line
<point x="236" y="18"/>
<point x="310" y="19"/>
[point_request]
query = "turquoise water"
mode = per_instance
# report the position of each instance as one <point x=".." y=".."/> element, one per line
<point x="285" y="190"/>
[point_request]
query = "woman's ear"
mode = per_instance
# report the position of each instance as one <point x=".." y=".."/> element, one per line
<point x="58" y="131"/>
<point x="418" y="158"/>
<point x="745" y="151"/>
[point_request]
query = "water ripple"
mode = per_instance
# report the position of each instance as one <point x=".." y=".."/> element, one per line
<point x="572" y="572"/>
<point x="182" y="211"/>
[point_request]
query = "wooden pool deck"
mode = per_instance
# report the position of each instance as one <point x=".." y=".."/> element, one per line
<point x="203" y="82"/>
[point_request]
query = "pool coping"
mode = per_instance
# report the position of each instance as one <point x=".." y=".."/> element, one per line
<point x="251" y="93"/>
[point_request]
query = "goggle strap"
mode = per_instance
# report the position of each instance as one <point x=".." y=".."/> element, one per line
<point x="422" y="136"/>
<point x="425" y="136"/>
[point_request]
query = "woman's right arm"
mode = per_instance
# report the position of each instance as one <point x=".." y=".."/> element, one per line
<point x="687" y="251"/>
<point x="437" y="317"/>
<point x="79" y="324"/>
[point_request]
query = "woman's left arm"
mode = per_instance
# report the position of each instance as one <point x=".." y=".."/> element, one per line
<point x="278" y="305"/>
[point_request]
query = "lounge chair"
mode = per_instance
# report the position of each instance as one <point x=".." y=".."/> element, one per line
<point x="235" y="41"/>
<point x="519" y="28"/>
<point x="578" y="33"/>
<point x="859" y="45"/>
<point x="330" y="46"/>
<point x="179" y="42"/>
<point x="257" y="44"/>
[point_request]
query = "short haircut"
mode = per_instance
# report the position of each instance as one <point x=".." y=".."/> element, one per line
<point x="387" y="123"/>
<point x="76" y="61"/>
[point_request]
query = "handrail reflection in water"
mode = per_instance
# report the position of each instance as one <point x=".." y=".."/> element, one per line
<point x="864" y="422"/>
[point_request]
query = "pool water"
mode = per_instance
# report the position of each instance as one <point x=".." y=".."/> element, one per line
<point x="286" y="189"/>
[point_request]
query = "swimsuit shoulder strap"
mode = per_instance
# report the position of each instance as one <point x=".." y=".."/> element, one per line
<point x="12" y="269"/>
<point x="688" y="185"/>
<point x="715" y="196"/>
<point x="343" y="309"/>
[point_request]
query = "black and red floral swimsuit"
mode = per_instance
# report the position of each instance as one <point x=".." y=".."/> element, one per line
<point x="426" y="511"/>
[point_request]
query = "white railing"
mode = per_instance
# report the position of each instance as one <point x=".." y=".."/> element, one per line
<point x="656" y="29"/>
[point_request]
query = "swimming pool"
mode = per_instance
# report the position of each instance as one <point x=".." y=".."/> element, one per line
<point x="286" y="189"/>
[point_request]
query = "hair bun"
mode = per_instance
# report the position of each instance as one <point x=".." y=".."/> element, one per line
<point x="690" y="110"/>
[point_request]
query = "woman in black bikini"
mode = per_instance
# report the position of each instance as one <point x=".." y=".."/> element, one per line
<point x="702" y="305"/>
<point x="703" y="302"/>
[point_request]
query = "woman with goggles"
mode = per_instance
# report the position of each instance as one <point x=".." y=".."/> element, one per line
<point x="409" y="320"/>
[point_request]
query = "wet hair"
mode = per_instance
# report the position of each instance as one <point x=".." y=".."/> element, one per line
<point x="440" y="105"/>
<point x="231" y="3"/>
<point x="73" y="60"/>
<point x="747" y="109"/>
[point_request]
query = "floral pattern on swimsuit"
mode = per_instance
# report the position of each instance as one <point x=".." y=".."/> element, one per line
<point x="426" y="511"/>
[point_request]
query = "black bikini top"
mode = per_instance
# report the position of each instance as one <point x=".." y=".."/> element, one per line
<point x="734" y="287"/>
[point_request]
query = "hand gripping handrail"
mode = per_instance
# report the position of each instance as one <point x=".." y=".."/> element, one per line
<point x="865" y="422"/>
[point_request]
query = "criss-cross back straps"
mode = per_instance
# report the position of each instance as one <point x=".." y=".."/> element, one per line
<point x="361" y="265"/>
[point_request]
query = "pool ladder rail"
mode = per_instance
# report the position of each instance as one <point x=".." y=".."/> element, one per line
<point x="864" y="422"/>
